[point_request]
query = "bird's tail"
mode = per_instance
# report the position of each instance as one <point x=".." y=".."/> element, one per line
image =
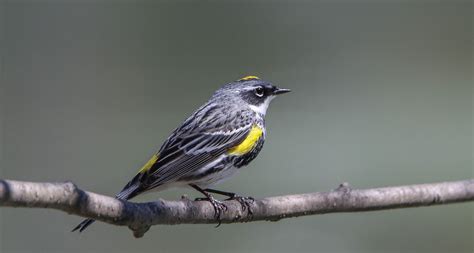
<point x="128" y="192"/>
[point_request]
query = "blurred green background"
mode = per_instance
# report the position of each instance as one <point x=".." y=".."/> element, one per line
<point x="382" y="95"/>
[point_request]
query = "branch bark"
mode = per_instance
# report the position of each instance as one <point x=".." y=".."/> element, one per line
<point x="139" y="217"/>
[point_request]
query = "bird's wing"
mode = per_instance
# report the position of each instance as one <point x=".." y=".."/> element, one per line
<point x="189" y="149"/>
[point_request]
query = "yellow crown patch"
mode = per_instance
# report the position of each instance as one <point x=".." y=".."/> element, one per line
<point x="249" y="78"/>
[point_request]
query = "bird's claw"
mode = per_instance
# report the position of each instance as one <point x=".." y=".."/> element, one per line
<point x="245" y="202"/>
<point x="219" y="208"/>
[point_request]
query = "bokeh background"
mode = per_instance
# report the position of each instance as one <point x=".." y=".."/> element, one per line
<point x="382" y="95"/>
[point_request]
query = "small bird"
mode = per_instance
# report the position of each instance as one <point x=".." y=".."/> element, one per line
<point x="223" y="135"/>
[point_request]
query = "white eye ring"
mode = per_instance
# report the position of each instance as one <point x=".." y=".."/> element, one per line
<point x="259" y="91"/>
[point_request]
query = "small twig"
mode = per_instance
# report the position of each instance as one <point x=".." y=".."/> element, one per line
<point x="140" y="216"/>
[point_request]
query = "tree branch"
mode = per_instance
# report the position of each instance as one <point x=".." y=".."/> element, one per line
<point x="140" y="216"/>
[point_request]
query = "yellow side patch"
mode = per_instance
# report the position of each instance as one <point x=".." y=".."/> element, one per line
<point x="249" y="143"/>
<point x="249" y="78"/>
<point x="148" y="165"/>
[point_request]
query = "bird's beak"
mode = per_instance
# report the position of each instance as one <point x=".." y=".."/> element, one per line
<point x="279" y="91"/>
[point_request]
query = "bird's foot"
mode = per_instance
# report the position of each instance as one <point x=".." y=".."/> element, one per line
<point x="219" y="207"/>
<point x="245" y="202"/>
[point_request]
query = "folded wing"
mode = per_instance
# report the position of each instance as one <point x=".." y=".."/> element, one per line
<point x="194" y="146"/>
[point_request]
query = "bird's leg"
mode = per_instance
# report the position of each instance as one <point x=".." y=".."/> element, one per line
<point x="245" y="202"/>
<point x="219" y="207"/>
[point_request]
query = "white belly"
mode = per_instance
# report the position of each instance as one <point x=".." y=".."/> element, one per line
<point x="218" y="177"/>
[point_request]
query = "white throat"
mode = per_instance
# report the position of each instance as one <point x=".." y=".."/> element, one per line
<point x="262" y="108"/>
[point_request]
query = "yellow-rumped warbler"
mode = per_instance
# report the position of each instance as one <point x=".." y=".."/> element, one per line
<point x="220" y="137"/>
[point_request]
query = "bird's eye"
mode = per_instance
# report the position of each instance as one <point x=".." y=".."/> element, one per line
<point x="259" y="91"/>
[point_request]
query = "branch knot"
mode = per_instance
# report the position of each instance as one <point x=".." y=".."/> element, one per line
<point x="344" y="188"/>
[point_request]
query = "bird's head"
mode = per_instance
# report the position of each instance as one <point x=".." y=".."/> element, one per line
<point x="252" y="91"/>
